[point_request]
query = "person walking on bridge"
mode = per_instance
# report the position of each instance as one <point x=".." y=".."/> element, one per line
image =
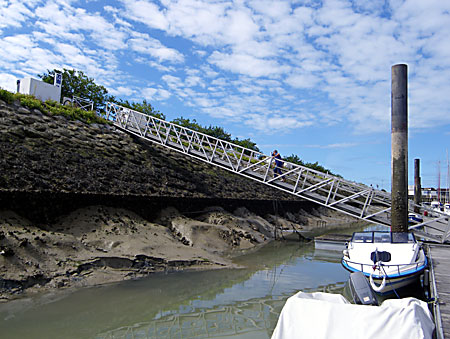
<point x="278" y="164"/>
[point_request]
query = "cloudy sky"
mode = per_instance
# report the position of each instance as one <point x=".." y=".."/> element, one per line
<point x="309" y="77"/>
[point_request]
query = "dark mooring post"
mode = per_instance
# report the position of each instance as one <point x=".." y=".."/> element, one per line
<point x="417" y="186"/>
<point x="399" y="150"/>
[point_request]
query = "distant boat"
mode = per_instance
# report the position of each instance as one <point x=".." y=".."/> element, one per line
<point x="436" y="206"/>
<point x="387" y="264"/>
<point x="414" y="218"/>
<point x="447" y="208"/>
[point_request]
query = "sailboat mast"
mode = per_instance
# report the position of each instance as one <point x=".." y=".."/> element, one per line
<point x="448" y="175"/>
<point x="439" y="181"/>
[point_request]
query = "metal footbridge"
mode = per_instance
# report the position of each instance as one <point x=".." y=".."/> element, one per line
<point x="357" y="200"/>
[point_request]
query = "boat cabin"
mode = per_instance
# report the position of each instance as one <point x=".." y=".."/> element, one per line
<point x="381" y="237"/>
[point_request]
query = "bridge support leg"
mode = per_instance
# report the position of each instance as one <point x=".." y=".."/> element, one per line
<point x="399" y="150"/>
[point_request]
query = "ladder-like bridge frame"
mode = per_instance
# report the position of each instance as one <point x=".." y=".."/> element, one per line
<point x="357" y="200"/>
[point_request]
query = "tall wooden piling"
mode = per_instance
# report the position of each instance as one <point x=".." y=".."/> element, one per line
<point x="417" y="186"/>
<point x="399" y="148"/>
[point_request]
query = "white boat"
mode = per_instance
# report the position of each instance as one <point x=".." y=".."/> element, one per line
<point x="447" y="208"/>
<point x="436" y="206"/>
<point x="388" y="264"/>
<point x="331" y="316"/>
<point x="414" y="218"/>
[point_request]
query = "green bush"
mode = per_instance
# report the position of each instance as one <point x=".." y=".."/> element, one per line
<point x="6" y="96"/>
<point x="51" y="103"/>
<point x="30" y="102"/>
<point x="52" y="107"/>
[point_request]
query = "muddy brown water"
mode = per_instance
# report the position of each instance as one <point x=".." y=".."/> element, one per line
<point x="238" y="303"/>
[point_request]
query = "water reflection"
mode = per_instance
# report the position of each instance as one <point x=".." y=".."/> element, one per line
<point x="242" y="303"/>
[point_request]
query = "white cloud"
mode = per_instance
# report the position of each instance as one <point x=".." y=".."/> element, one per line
<point x="157" y="65"/>
<point x="172" y="81"/>
<point x="66" y="19"/>
<point x="8" y="82"/>
<point x="205" y="22"/>
<point x="194" y="81"/>
<point x="21" y="55"/>
<point x="111" y="9"/>
<point x="163" y="94"/>
<point x="274" y="124"/>
<point x="304" y="80"/>
<point x="151" y="93"/>
<point x="219" y="82"/>
<point x="274" y="10"/>
<point x="333" y="146"/>
<point x="13" y="13"/>
<point x="146" y="45"/>
<point x="208" y="71"/>
<point x="16" y="47"/>
<point x="147" y="13"/>
<point x="247" y="64"/>
<point x="220" y="112"/>
<point x="121" y="90"/>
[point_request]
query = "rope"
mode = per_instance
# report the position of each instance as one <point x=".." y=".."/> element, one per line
<point x="385" y="276"/>
<point x="395" y="291"/>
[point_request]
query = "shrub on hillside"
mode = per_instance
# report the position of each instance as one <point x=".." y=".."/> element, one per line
<point x="6" y="96"/>
<point x="52" y="107"/>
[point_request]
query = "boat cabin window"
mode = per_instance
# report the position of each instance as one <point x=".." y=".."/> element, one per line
<point x="382" y="237"/>
<point x="362" y="237"/>
<point x="404" y="238"/>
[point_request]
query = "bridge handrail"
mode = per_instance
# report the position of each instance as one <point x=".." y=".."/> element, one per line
<point x="240" y="149"/>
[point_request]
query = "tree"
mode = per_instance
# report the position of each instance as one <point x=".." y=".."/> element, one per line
<point x="247" y="143"/>
<point x="217" y="132"/>
<point x="76" y="83"/>
<point x="189" y="124"/>
<point x="295" y="159"/>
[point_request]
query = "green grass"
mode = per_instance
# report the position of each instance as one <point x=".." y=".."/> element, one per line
<point x="52" y="107"/>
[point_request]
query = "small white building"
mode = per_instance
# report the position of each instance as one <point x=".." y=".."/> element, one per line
<point x="41" y="90"/>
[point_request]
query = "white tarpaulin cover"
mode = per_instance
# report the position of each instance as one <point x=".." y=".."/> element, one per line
<point x="328" y="316"/>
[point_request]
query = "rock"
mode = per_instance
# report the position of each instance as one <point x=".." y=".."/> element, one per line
<point x="24" y="243"/>
<point x="23" y="110"/>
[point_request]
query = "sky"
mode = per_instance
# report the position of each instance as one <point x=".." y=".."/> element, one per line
<point x="311" y="78"/>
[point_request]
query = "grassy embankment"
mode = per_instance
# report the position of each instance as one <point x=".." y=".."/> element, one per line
<point x="51" y="107"/>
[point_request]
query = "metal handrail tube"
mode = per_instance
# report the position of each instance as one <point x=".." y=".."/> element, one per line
<point x="397" y="266"/>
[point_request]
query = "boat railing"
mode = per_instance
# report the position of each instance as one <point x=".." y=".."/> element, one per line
<point x="399" y="267"/>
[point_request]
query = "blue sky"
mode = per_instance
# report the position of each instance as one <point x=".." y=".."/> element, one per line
<point x="310" y="78"/>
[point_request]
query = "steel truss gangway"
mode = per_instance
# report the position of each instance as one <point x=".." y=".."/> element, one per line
<point x="354" y="199"/>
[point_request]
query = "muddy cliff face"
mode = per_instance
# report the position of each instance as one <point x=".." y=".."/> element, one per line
<point x="84" y="204"/>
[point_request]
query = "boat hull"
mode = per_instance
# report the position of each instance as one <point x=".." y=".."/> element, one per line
<point x="392" y="282"/>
